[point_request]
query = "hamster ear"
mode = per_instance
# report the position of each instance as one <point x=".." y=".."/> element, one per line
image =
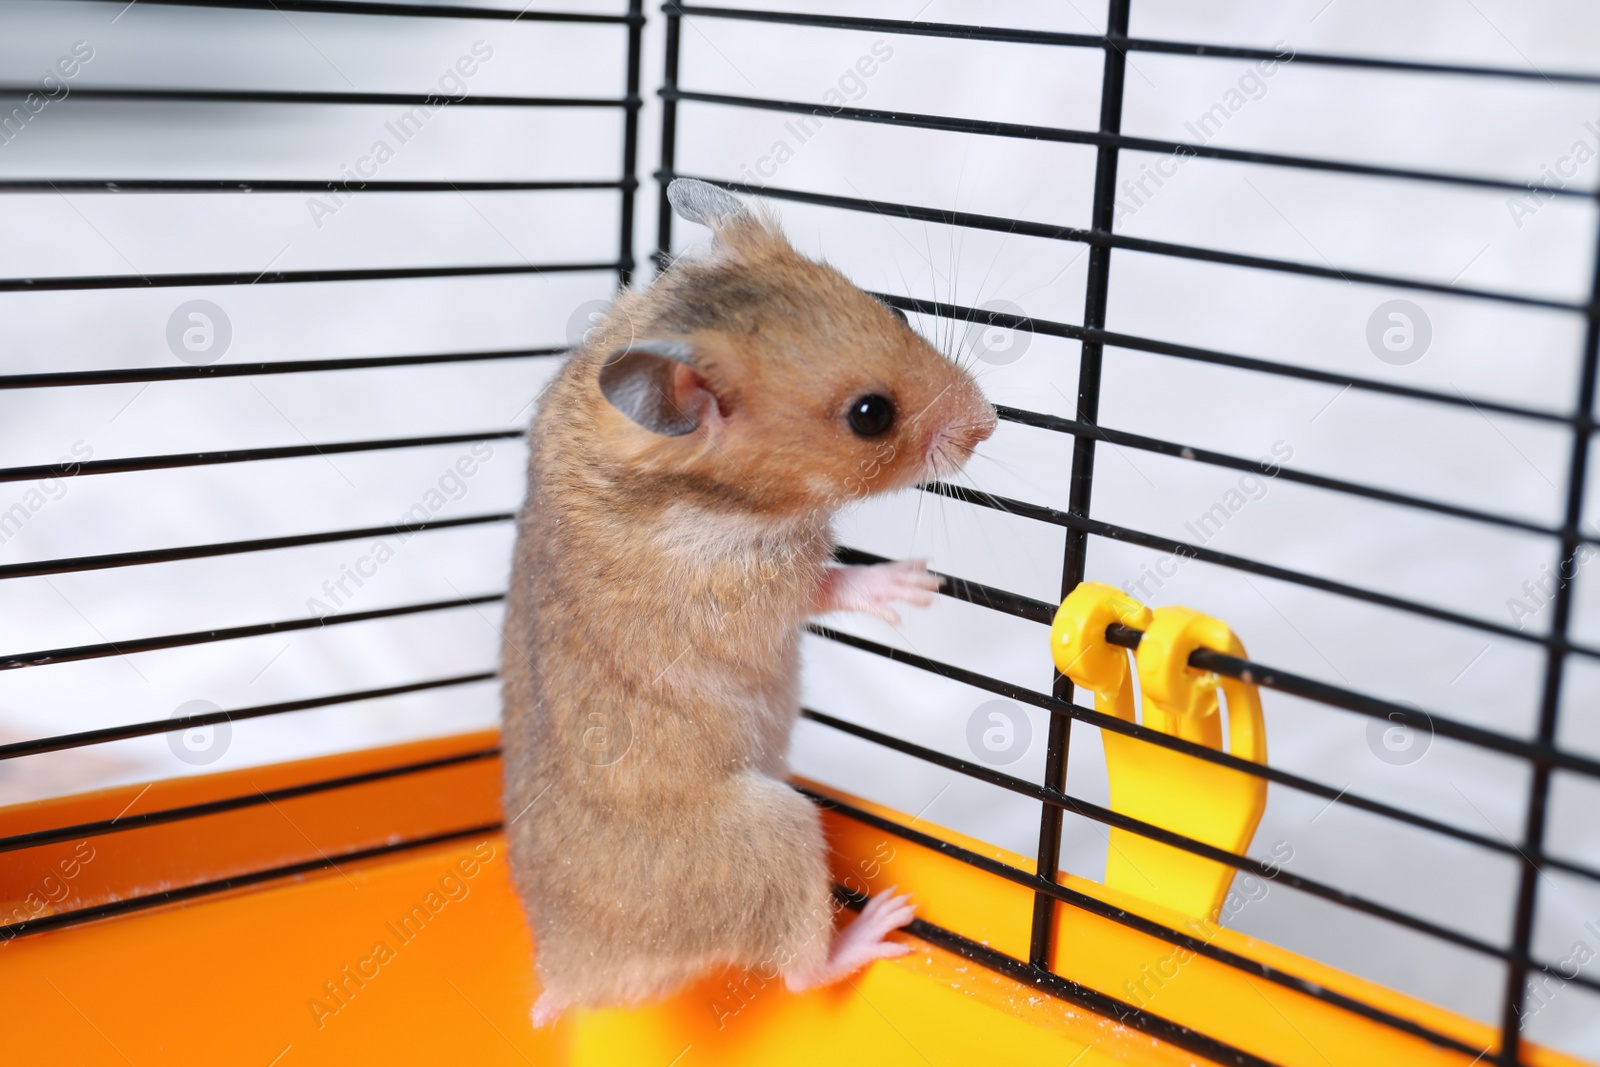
<point x="899" y="313"/>
<point x="707" y="204"/>
<point x="737" y="227"/>
<point x="656" y="385"/>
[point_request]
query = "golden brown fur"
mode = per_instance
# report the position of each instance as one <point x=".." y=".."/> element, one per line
<point x="659" y="589"/>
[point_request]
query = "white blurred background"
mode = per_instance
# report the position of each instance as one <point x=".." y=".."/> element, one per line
<point x="1474" y="238"/>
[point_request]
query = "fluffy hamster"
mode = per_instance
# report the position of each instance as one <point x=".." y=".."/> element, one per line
<point x="686" y="465"/>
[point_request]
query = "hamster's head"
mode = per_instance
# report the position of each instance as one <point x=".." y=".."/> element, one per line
<point x="757" y="379"/>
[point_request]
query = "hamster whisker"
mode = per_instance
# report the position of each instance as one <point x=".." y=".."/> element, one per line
<point x="955" y="266"/>
<point x="1015" y="472"/>
<point x="916" y="524"/>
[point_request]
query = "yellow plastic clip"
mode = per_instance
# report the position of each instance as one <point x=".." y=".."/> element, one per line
<point x="1207" y="802"/>
<point x="1078" y="644"/>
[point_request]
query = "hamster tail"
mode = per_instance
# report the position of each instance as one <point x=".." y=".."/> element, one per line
<point x="547" y="1009"/>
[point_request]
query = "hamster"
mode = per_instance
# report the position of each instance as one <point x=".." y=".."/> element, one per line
<point x="685" y="467"/>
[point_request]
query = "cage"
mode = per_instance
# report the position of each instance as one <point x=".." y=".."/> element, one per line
<point x="236" y="393"/>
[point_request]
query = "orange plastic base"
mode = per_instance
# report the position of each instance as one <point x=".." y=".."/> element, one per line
<point x="423" y="957"/>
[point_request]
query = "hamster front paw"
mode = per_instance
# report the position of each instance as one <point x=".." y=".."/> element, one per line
<point x="871" y="589"/>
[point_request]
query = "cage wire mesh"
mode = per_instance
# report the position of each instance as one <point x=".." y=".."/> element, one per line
<point x="1290" y="311"/>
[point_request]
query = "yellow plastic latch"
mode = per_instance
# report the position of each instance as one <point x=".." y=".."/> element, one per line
<point x="1079" y="647"/>
<point x="1213" y="804"/>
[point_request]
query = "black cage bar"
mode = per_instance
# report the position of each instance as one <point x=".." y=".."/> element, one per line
<point x="625" y="183"/>
<point x="1095" y="335"/>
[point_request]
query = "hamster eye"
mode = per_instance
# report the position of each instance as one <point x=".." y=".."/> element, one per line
<point x="871" y="415"/>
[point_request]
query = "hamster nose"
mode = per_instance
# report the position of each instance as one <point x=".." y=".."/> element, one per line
<point x="952" y="445"/>
<point x="976" y="427"/>
<point x="983" y="428"/>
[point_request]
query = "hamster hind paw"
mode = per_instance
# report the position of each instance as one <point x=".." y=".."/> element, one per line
<point x="864" y="940"/>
